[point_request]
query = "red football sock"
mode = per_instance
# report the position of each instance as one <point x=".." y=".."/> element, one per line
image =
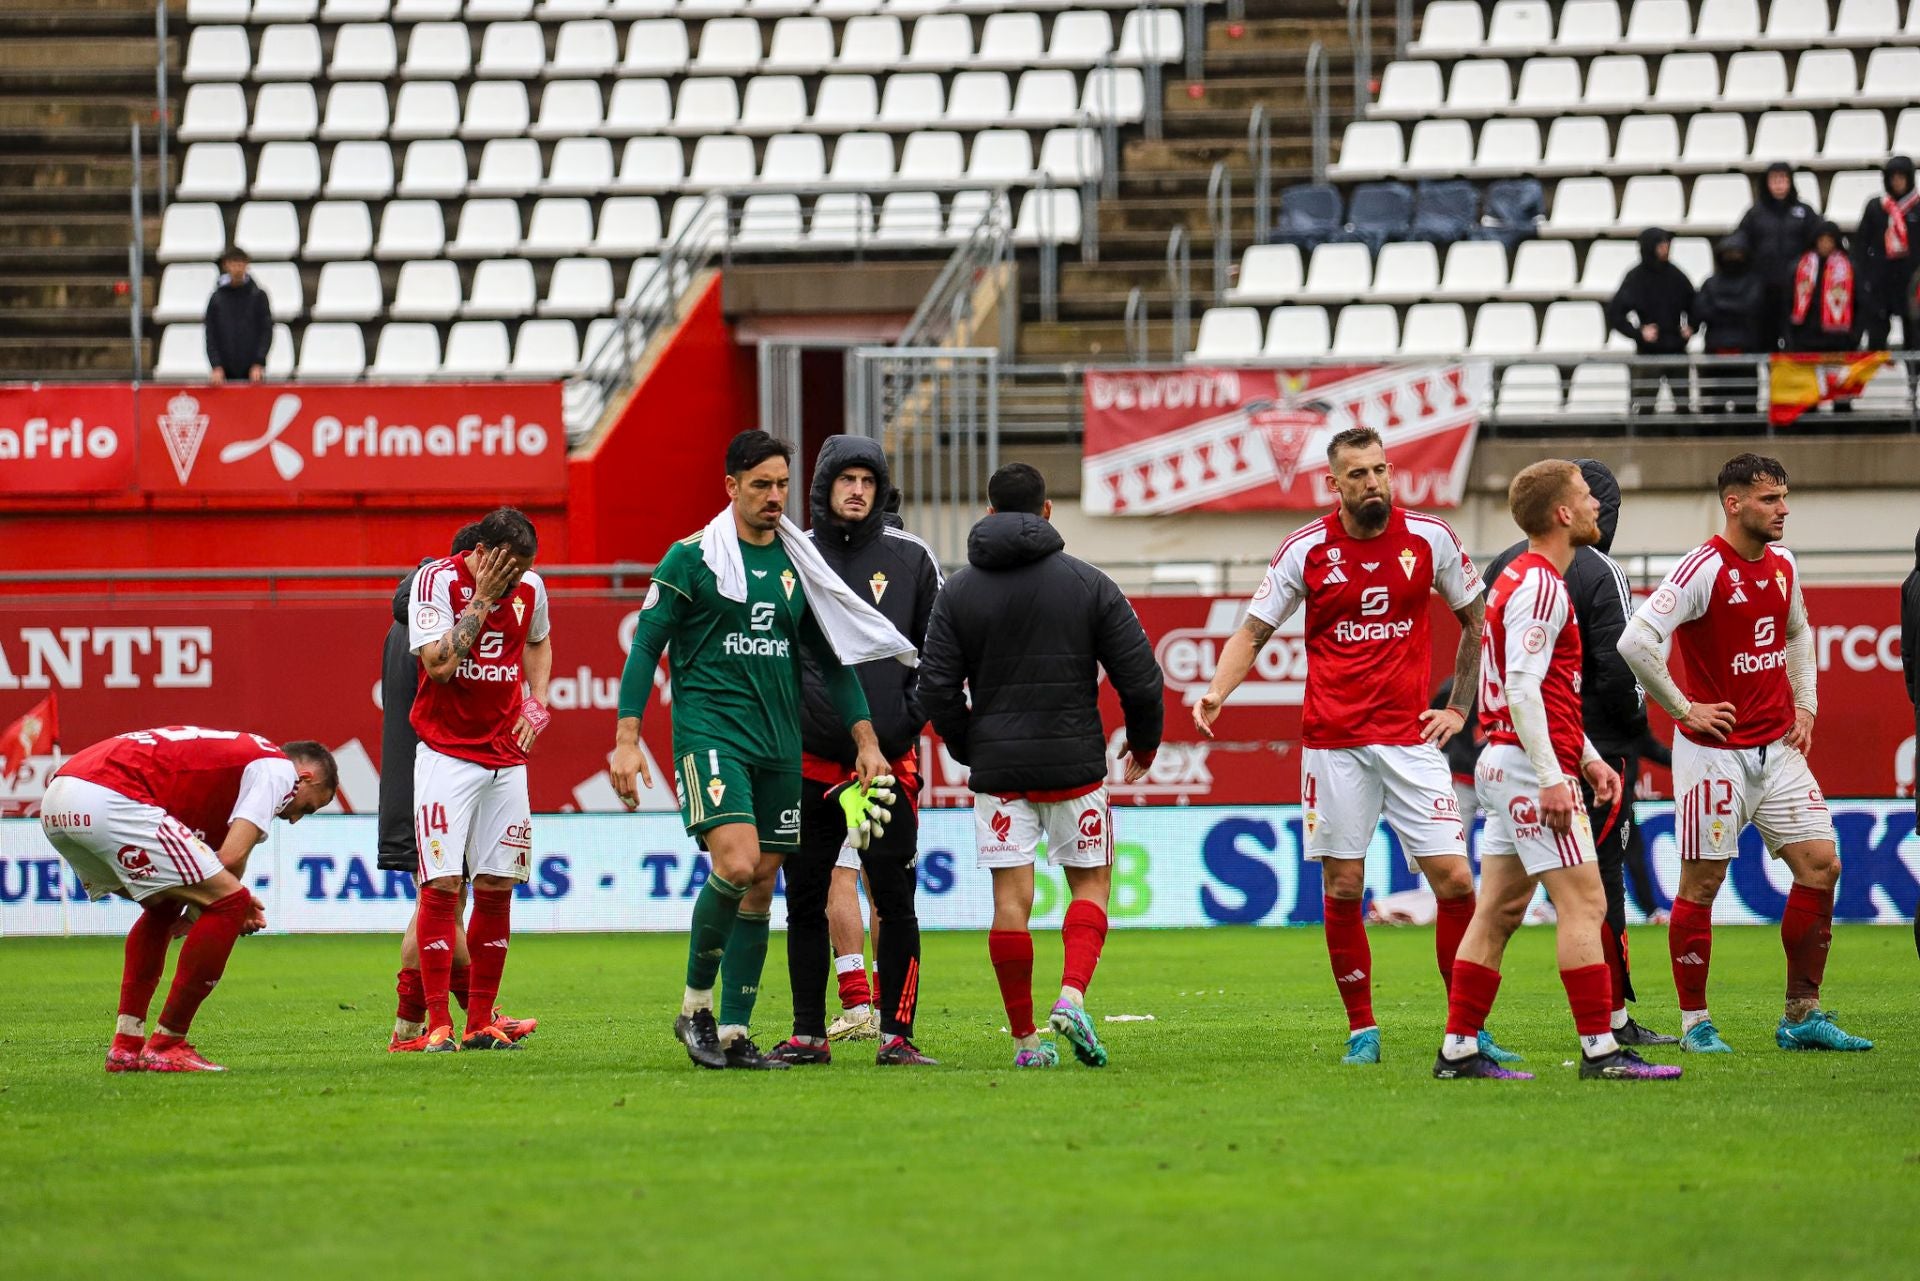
<point x="1590" y="993"/>
<point x="854" y="987"/>
<point x="1352" y="960"/>
<point x="460" y="984"/>
<point x="1614" y="947"/>
<point x="439" y="913"/>
<point x="1083" y="933"/>
<point x="1012" y="954"/>
<point x="203" y="959"/>
<point x="1470" y="998"/>
<point x="146" y="957"/>
<point x="1690" y="941"/>
<point x="1806" y="931"/>
<point x="412" y="1006"/>
<point x="488" y="931"/>
<point x="1449" y="927"/>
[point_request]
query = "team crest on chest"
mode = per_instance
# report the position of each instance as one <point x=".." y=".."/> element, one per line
<point x="1780" y="577"/>
<point x="786" y="583"/>
<point x="519" y="610"/>
<point x="1407" y="561"/>
<point x="877" y="585"/>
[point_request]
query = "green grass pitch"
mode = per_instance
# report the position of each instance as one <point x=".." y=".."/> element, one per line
<point x="1226" y="1139"/>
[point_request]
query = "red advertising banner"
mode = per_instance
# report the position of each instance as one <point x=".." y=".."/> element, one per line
<point x="311" y="670"/>
<point x="285" y="440"/>
<point x="66" y="439"/>
<point x="1216" y="439"/>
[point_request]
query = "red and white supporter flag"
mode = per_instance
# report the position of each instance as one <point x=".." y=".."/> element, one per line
<point x="1206" y="438"/>
<point x="33" y="734"/>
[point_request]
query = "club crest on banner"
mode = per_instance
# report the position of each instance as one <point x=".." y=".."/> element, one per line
<point x="183" y="427"/>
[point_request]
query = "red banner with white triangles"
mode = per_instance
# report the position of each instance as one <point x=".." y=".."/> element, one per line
<point x="1219" y="439"/>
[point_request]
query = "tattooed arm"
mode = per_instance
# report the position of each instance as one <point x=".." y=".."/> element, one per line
<point x="1438" y="724"/>
<point x="442" y="658"/>
<point x="1236" y="660"/>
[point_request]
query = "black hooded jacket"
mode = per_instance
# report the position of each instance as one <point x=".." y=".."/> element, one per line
<point x="1732" y="302"/>
<point x="399" y="681"/>
<point x="1910" y="646"/>
<point x="1870" y="242"/>
<point x="887" y="566"/>
<point x="1612" y="705"/>
<point x="1777" y="231"/>
<point x="1026" y="629"/>
<point x="239" y="327"/>
<point x="1653" y="293"/>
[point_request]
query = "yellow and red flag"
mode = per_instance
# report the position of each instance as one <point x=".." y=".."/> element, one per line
<point x="1802" y="379"/>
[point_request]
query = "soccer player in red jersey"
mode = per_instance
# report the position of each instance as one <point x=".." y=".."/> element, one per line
<point x="1734" y="613"/>
<point x="1537" y="827"/>
<point x="1364" y="572"/>
<point x="479" y="624"/>
<point x="167" y="817"/>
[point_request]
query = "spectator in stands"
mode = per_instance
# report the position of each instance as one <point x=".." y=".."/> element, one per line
<point x="1889" y="229"/>
<point x="239" y="324"/>
<point x="1778" y="228"/>
<point x="1730" y="307"/>
<point x="1823" y="315"/>
<point x="1654" y="308"/>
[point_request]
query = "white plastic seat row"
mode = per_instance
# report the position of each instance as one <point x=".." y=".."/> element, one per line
<point x="336" y="350"/>
<point x="1566" y="328"/>
<point x="1527" y="26"/>
<point x="1582" y="207"/>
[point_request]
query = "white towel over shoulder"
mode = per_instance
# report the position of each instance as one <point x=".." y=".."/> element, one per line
<point x="858" y="632"/>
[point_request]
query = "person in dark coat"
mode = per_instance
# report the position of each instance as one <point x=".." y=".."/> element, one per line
<point x="1614" y="711"/>
<point x="1778" y="227"/>
<point x="1654" y="308"/>
<point x="1730" y="307"/>
<point x="1011" y="677"/>
<point x="239" y="323"/>
<point x="1824" y="315"/>
<point x="1884" y="248"/>
<point x="899" y="574"/>
<point x="1910" y="668"/>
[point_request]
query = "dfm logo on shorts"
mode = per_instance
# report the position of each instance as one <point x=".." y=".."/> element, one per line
<point x="1526" y="818"/>
<point x="135" y="861"/>
<point x="1092" y="830"/>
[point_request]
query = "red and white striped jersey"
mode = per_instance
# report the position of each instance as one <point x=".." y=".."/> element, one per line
<point x="1369" y="670"/>
<point x="1729" y="618"/>
<point x="1531" y="629"/>
<point x="206" y="778"/>
<point x="471" y="716"/>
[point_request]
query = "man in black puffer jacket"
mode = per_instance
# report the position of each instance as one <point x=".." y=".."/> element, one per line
<point x="1654" y="308"/>
<point x="1026" y="628"/>
<point x="1614" y="712"/>
<point x="1778" y="227"/>
<point x="1885" y="246"/>
<point x="898" y="573"/>
<point x="1731" y="305"/>
<point x="239" y="323"/>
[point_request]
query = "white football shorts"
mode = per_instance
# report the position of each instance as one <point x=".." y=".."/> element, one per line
<point x="1079" y="832"/>
<point x="116" y="844"/>
<point x="1345" y="790"/>
<point x="1719" y="790"/>
<point x="470" y="820"/>
<point x="1509" y="791"/>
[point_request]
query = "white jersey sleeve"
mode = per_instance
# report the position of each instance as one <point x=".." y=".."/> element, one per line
<point x="1285" y="585"/>
<point x="1803" y="671"/>
<point x="1683" y="595"/>
<point x="537" y="630"/>
<point x="430" y="611"/>
<point x="1534" y="615"/>
<point x="266" y="785"/>
<point x="1454" y="575"/>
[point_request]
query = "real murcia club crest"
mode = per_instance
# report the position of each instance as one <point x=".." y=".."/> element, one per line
<point x="519" y="610"/>
<point x="183" y="427"/>
<point x="716" y="790"/>
<point x="877" y="585"/>
<point x="786" y="583"/>
<point x="1407" y="561"/>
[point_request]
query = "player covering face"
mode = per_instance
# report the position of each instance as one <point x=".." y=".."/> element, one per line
<point x="1537" y="830"/>
<point x="168" y="818"/>
<point x="1365" y="572"/>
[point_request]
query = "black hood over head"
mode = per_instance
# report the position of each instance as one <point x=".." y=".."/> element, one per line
<point x="1826" y="228"/>
<point x="1650" y="240"/>
<point x="1765" y="194"/>
<point x="1605" y="488"/>
<point x="1009" y="540"/>
<point x="836" y="455"/>
<point x="1733" y="253"/>
<point x="1897" y="165"/>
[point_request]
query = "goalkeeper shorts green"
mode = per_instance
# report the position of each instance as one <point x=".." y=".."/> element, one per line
<point x="715" y="786"/>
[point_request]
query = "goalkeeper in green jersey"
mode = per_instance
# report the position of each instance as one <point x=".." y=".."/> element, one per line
<point x="735" y="668"/>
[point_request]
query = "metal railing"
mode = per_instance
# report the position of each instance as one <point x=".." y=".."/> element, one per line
<point x="936" y="412"/>
<point x="947" y="310"/>
<point x="1150" y="71"/>
<point x="1196" y="41"/>
<point x="1402" y="27"/>
<point x="1220" y="225"/>
<point x="1180" y="281"/>
<point x="162" y="110"/>
<point x="1318" y="101"/>
<point x="1135" y="321"/>
<point x="1260" y="159"/>
<point x="1360" y="37"/>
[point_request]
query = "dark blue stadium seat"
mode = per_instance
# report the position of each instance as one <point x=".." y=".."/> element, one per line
<point x="1310" y="215"/>
<point x="1378" y="212"/>
<point x="1514" y="207"/>
<point x="1444" y="211"/>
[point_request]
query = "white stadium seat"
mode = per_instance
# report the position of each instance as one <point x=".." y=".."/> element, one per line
<point x="1892" y="77"/>
<point x="411" y="229"/>
<point x="582" y="166"/>
<point x="1791" y="136"/>
<point x="1548" y="86"/>
<point x="438" y="51"/>
<point x="706" y="104"/>
<point x="1070" y="156"/>
<point x="1268" y="273"/>
<point x="1718" y="202"/>
<point x="1150" y="35"/>
<point x="1508" y="147"/>
<point x="1542" y="270"/>
<point x="720" y="161"/>
<point x="638" y="106"/>
<point x="1297" y="332"/>
<point x="434" y="168"/>
<point x="1616" y="82"/>
<point x="1577" y="144"/>
<point x="1473" y="269"/>
<point x="558" y="227"/>
<point x="281" y="112"/>
<point x="1479" y="87"/>
<point x="426" y="109"/>
<point x="1439" y="148"/>
<point x="496" y="109"/>
<point x="213" y="113"/>
<point x="267" y="229"/>
<point x="931" y="156"/>
<point x="348" y="291"/>
<point x="1228" y="333"/>
<point x="1653" y="200"/>
<point x="1528" y="391"/>
<point x="1010" y="41"/>
<point x="1608" y="262"/>
<point x="769" y="222"/>
<point x="800" y="44"/>
<point x="728" y="46"/>
<point x="408" y="350"/>
<point x="1754" y="79"/>
<point x="909" y="217"/>
<point x="1520" y="26"/>
<point x="1450" y="27"/>
<point x="1659" y="25"/>
<point x="1503" y="329"/>
<point x="183" y="353"/>
<point x="863" y="158"/>
<point x="508" y="167"/>
<point x="871" y="43"/>
<point x="845" y="102"/>
<point x="1825" y="76"/>
<point x="287" y="171"/>
<point x="1715" y="140"/>
<point x="476" y="349"/>
<point x="545" y="349"/>
<point x="1339" y="272"/>
<point x="338" y="229"/>
<point x="1410" y="90"/>
<point x="501" y="287"/>
<point x="332" y="350"/>
<point x="1366" y="330"/>
<point x="1433" y="328"/>
<point x="1867" y="21"/>
<point x="288" y="53"/>
<point x="793" y="159"/>
<point x="585" y="48"/>
<point x="1691" y="81"/>
<point x="655" y="47"/>
<point x="1369" y="148"/>
<point x="1588" y="26"/>
<point x="184" y="290"/>
<point x="569" y="108"/>
<point x="841" y="218"/>
<point x="363" y="51"/>
<point x="579" y="287"/>
<point x="1728" y="24"/>
<point x="1572" y="328"/>
<point x="651" y="164"/>
<point x="629" y="225"/>
<point x="212" y="171"/>
<point x="1043" y="98"/>
<point x="356" y="109"/>
<point x="941" y="42"/>
<point x="511" y="51"/>
<point x="1581" y="207"/>
<point x="1080" y="38"/>
<point x="487" y="229"/>
<point x="912" y="100"/>
<point x="1405" y="271"/>
<point x="978" y="99"/>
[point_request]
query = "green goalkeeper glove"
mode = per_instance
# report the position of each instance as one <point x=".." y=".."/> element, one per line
<point x="865" y="808"/>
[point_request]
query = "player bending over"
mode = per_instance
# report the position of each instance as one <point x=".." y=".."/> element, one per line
<point x="479" y="625"/>
<point x="1537" y="830"/>
<point x="730" y="605"/>
<point x="1734" y="613"/>
<point x="168" y="817"/>
<point x="1364" y="572"/>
